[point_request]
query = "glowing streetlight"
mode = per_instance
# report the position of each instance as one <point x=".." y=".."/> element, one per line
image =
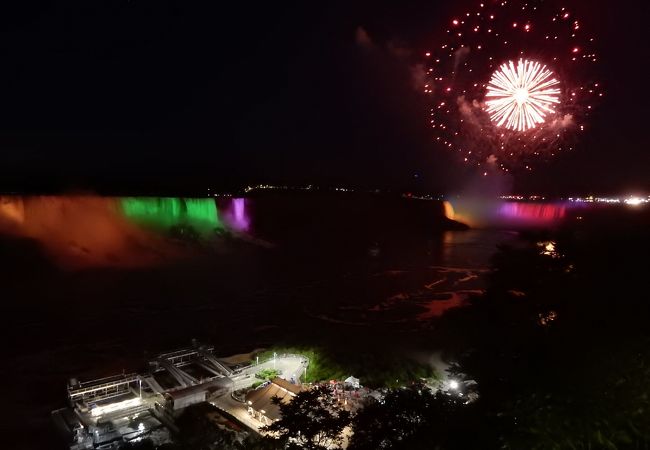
<point x="453" y="384"/>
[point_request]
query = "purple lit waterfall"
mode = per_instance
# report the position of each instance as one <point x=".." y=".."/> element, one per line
<point x="237" y="217"/>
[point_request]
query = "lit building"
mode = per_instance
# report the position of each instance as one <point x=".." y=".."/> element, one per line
<point x="127" y="407"/>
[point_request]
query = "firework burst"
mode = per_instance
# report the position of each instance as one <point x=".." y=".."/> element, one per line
<point x="520" y="97"/>
<point x="511" y="83"/>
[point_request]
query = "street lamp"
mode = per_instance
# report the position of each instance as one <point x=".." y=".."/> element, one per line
<point x="453" y="384"/>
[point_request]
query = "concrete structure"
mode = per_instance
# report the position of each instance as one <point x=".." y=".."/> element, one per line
<point x="88" y="394"/>
<point x="182" y="398"/>
<point x="185" y="397"/>
<point x="109" y="411"/>
<point x="289" y="365"/>
<point x="187" y="367"/>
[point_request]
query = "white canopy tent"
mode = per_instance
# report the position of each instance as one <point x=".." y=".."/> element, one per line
<point x="354" y="382"/>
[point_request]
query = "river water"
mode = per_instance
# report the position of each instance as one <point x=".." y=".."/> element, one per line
<point x="94" y="306"/>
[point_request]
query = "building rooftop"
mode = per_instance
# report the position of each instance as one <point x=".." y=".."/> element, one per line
<point x="260" y="399"/>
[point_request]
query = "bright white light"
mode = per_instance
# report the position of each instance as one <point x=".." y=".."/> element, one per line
<point x="519" y="97"/>
<point x="112" y="407"/>
<point x="141" y="427"/>
<point x="633" y="201"/>
<point x="453" y="384"/>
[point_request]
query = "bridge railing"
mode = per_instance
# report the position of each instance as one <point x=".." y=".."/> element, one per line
<point x="303" y="359"/>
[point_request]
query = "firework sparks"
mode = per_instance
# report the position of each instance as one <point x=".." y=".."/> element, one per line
<point x="511" y="83"/>
<point x="521" y="96"/>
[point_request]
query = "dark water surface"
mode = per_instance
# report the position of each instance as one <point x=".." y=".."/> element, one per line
<point x="235" y="292"/>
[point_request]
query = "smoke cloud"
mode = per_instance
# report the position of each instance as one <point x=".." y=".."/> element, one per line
<point x="565" y="121"/>
<point x="459" y="57"/>
<point x="362" y="38"/>
<point x="469" y="110"/>
<point x="418" y="77"/>
<point x="398" y="50"/>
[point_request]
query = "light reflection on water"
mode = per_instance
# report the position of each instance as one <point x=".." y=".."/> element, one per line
<point x="411" y="279"/>
<point x="405" y="292"/>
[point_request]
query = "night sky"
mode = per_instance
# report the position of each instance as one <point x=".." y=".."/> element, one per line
<point x="143" y="95"/>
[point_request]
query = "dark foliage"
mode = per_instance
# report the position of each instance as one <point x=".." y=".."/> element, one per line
<point x="311" y="420"/>
<point x="413" y="418"/>
<point x="559" y="344"/>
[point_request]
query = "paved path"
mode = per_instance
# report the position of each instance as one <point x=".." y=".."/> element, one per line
<point x="289" y="367"/>
<point x="238" y="410"/>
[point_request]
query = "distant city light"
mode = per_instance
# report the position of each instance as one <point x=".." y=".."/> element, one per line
<point x="631" y="200"/>
<point x="634" y="201"/>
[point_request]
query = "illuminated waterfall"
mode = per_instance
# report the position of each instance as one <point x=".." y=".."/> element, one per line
<point x="532" y="212"/>
<point x="237" y="216"/>
<point x="449" y="210"/>
<point x="167" y="212"/>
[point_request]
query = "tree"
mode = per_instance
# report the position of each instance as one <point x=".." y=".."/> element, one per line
<point x="579" y="379"/>
<point x="413" y="418"/>
<point x="267" y="374"/>
<point x="145" y="444"/>
<point x="198" y="432"/>
<point x="312" y="420"/>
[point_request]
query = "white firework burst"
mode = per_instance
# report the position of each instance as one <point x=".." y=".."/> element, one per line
<point x="520" y="97"/>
